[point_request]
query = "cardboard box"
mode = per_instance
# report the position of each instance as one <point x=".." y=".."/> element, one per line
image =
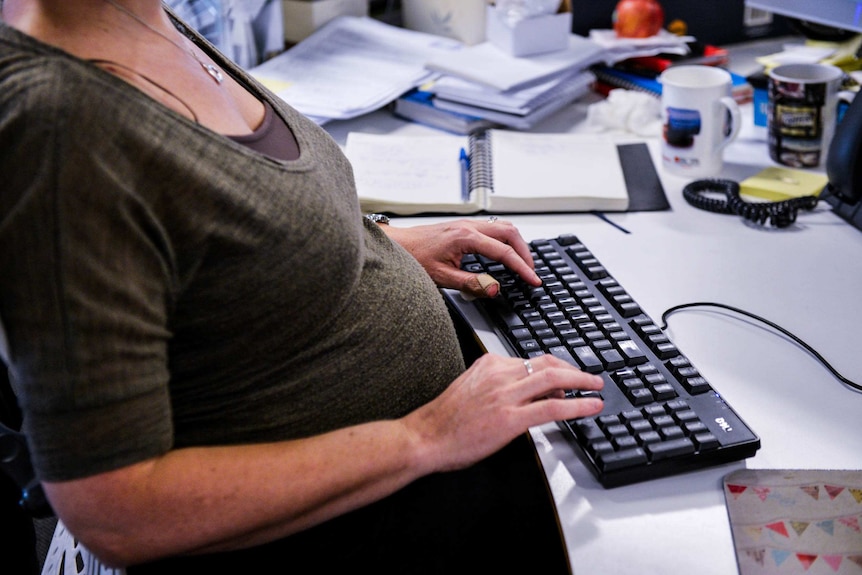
<point x="529" y="36"/>
<point x="302" y="17"/>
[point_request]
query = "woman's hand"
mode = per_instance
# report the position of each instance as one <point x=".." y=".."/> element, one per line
<point x="440" y="247"/>
<point x="493" y="402"/>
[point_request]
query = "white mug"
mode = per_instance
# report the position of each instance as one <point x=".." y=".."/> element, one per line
<point x="699" y="119"/>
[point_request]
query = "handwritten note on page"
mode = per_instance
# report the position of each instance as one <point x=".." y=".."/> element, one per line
<point x="416" y="170"/>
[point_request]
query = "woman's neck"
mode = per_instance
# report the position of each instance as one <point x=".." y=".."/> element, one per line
<point x="136" y="41"/>
<point x="67" y="23"/>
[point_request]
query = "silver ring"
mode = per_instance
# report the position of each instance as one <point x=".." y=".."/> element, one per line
<point x="528" y="366"/>
<point x="492" y="219"/>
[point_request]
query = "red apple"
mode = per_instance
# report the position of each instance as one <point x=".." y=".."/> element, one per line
<point x="638" y="18"/>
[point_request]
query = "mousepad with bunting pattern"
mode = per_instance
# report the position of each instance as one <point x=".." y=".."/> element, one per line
<point x="787" y="522"/>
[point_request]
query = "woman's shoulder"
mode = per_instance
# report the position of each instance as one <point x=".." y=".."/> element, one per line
<point x="39" y="80"/>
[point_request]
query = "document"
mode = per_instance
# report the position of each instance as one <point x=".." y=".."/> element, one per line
<point x="352" y="66"/>
<point x="519" y="102"/>
<point x="488" y="65"/>
<point x="567" y="91"/>
<point x="498" y="171"/>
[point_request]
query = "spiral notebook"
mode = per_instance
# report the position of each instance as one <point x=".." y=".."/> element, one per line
<point x="496" y="171"/>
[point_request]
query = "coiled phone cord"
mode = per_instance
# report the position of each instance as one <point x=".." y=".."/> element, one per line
<point x="780" y="214"/>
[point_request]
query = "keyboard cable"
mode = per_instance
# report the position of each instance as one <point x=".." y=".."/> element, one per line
<point x="857" y="387"/>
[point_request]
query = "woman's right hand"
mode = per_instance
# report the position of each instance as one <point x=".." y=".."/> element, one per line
<point x="492" y="403"/>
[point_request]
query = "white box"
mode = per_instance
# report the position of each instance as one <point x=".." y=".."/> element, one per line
<point x="531" y="35"/>
<point x="463" y="20"/>
<point x="302" y="17"/>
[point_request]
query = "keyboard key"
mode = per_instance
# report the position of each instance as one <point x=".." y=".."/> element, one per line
<point x="632" y="353"/>
<point x="522" y="333"/>
<point x="652" y="411"/>
<point x="664" y="391"/>
<point x="568" y="239"/>
<point x="671" y="448"/>
<point x="651" y="436"/>
<point x="665" y="350"/>
<point x="589" y="430"/>
<point x="621" y="459"/>
<point x="563" y="353"/>
<point x="696" y="385"/>
<point x="601" y="447"/>
<point x="612" y="359"/>
<point x="631" y="415"/>
<point x="624" y="442"/>
<point x="616" y="430"/>
<point x="629" y="309"/>
<point x="685" y="416"/>
<point x="677" y="405"/>
<point x="694" y="427"/>
<point x="639" y="426"/>
<point x="608" y="419"/>
<point x="529" y="345"/>
<point x="705" y="441"/>
<point x="671" y="432"/>
<point x="588" y="359"/>
<point x="641" y="396"/>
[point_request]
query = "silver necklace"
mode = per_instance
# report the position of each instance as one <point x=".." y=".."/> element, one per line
<point x="210" y="69"/>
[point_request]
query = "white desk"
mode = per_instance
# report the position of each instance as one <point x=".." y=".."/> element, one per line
<point x="807" y="278"/>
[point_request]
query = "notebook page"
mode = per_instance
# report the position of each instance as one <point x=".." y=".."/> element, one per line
<point x="528" y="165"/>
<point x="391" y="169"/>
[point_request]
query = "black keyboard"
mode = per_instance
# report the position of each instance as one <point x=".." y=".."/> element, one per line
<point x="661" y="416"/>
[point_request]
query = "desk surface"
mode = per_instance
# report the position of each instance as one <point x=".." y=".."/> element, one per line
<point x="807" y="278"/>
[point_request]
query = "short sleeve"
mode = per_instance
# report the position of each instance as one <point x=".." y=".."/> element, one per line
<point x="86" y="283"/>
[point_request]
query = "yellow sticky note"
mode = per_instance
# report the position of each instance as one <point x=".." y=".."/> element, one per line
<point x="776" y="184"/>
<point x="275" y="85"/>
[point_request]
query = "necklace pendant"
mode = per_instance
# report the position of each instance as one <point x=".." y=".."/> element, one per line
<point x="214" y="72"/>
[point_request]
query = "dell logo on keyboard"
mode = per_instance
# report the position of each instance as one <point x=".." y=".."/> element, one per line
<point x="723" y="424"/>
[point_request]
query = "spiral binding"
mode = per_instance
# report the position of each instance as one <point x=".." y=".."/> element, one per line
<point x="481" y="176"/>
<point x="779" y="214"/>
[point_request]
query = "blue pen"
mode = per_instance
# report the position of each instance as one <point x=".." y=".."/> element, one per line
<point x="464" y="159"/>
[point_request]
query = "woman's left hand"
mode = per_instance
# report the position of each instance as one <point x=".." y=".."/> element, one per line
<point x="440" y="247"/>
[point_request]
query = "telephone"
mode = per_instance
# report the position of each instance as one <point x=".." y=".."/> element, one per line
<point x="844" y="167"/>
<point x="843" y="191"/>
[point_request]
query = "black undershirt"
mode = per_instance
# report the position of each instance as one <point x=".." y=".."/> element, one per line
<point x="272" y="138"/>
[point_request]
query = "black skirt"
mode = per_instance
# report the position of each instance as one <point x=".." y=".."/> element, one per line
<point x="494" y="517"/>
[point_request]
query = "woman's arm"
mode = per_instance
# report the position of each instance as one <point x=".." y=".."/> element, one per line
<point x="218" y="498"/>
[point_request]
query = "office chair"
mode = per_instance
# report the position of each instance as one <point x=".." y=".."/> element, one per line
<point x="35" y="541"/>
<point x="26" y="514"/>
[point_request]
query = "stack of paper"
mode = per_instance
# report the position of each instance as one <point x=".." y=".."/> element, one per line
<point x="489" y="66"/>
<point x="519" y="109"/>
<point x="516" y="92"/>
<point x="618" y="49"/>
<point x="352" y="66"/>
